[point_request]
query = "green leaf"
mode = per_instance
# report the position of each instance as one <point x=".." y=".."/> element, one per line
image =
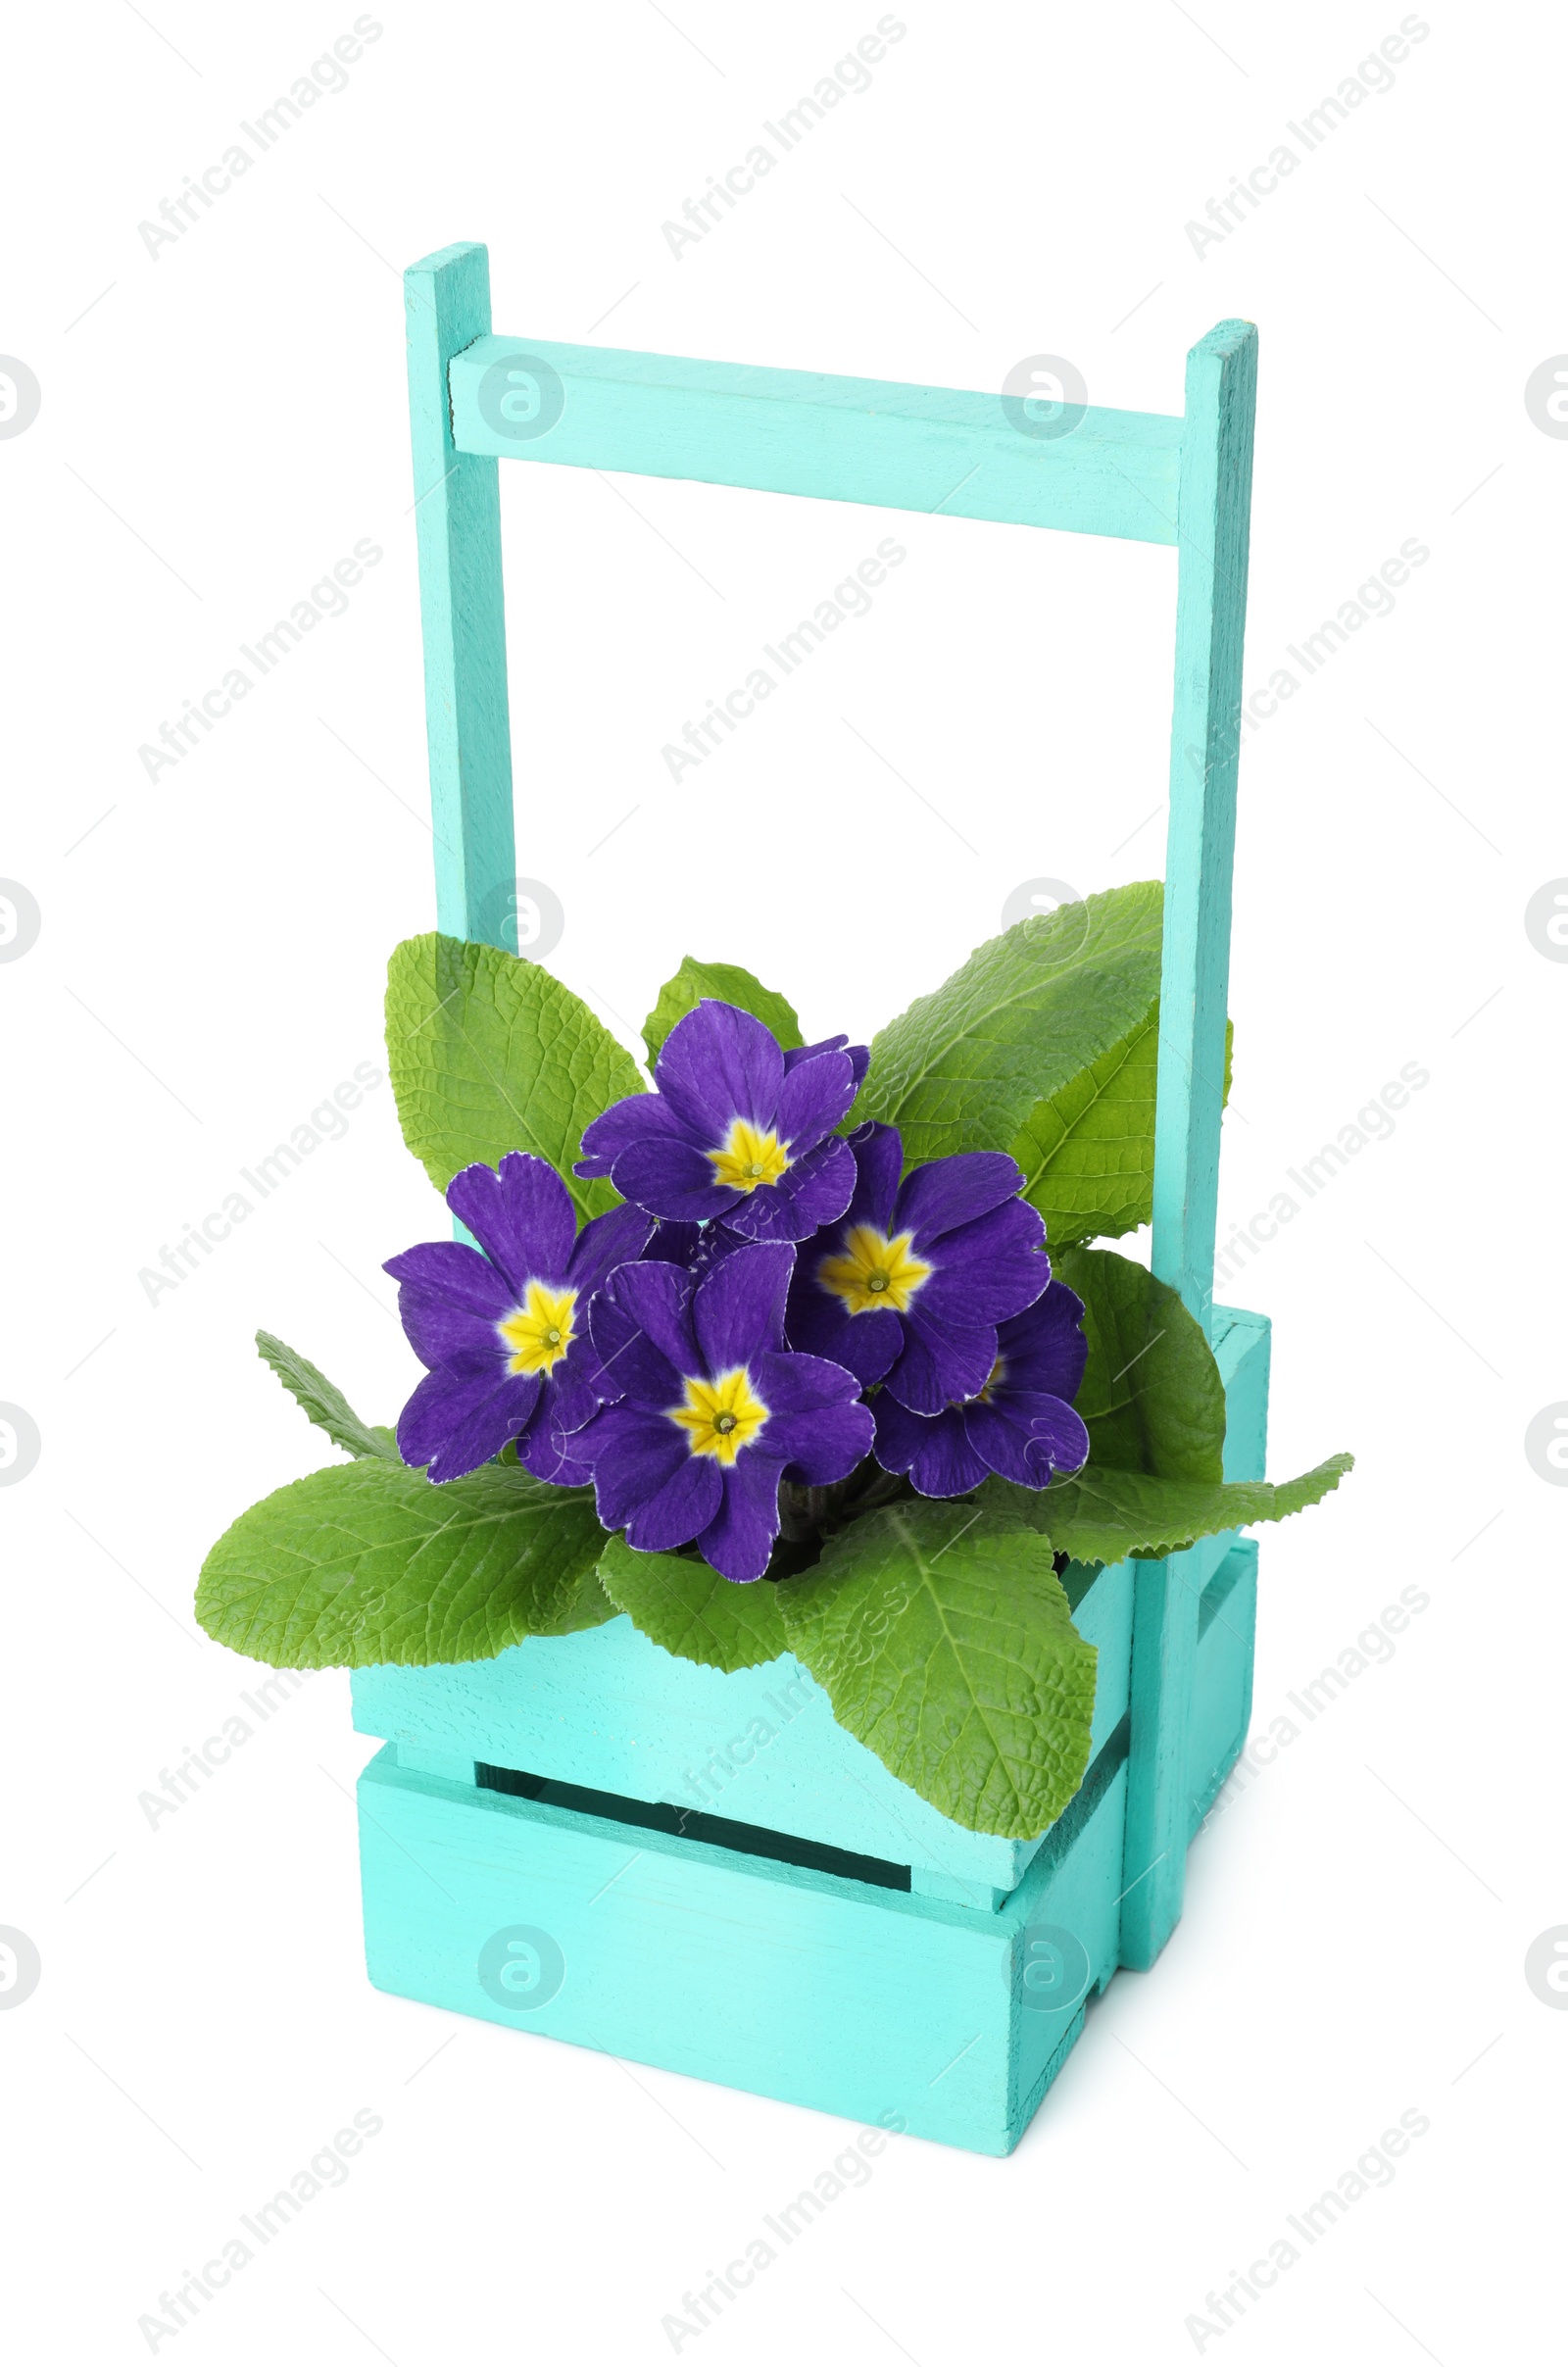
<point x="366" y="1562"/>
<point x="327" y="1408"/>
<point x="1087" y="1151"/>
<point x="717" y="982"/>
<point x="489" y="1054"/>
<point x="1106" y="1515"/>
<point x="968" y="1067"/>
<point x="1151" y="1394"/>
<point x="691" y="1611"/>
<point x="945" y="1644"/>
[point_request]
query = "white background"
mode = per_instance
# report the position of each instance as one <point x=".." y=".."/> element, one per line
<point x="223" y="422"/>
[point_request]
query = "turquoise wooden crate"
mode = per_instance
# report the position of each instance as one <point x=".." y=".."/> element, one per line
<point x="587" y="1837"/>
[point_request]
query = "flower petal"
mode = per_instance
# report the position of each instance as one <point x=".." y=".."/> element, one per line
<point x="936" y="1455"/>
<point x="811" y="1193"/>
<point x="812" y="1098"/>
<point x="717" y="1065"/>
<point x="1027" y="1436"/>
<point x="824" y="1444"/>
<point x="685" y="1504"/>
<point x="551" y="1456"/>
<point x="986" y="1271"/>
<point x="455" y="1419"/>
<point x="659" y="1299"/>
<point x="520" y="1214"/>
<point x="739" y="1542"/>
<point x="671" y="1178"/>
<point x="954" y="1191"/>
<point x="639" y="1117"/>
<point x="878" y="1163"/>
<point x="451" y="1270"/>
<point x="631" y="1364"/>
<point x="605" y="1243"/>
<point x="791" y="1384"/>
<point x="632" y="1454"/>
<point x="441" y="1335"/>
<point x="818" y="1322"/>
<point x="1044" y="1347"/>
<point x="940" y="1364"/>
<point x="739" y="1305"/>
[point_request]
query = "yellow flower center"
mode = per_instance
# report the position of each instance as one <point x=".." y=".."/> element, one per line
<point x="998" y="1372"/>
<point x="720" y="1417"/>
<point x="539" y="1332"/>
<point x="749" y="1157"/>
<point x="873" y="1271"/>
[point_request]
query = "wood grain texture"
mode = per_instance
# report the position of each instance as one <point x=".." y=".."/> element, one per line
<point x="1213" y="511"/>
<point x="613" y="1713"/>
<point x="1166" y="1677"/>
<point x="927" y="448"/>
<point x="878" y="2004"/>
<point x="458" y="517"/>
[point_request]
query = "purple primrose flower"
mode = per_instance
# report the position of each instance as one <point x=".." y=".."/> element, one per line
<point x="736" y="1129"/>
<point x="1021" y="1423"/>
<point x="710" y="1411"/>
<point x="909" y="1285"/>
<point x="505" y="1336"/>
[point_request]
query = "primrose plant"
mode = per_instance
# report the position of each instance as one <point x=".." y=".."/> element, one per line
<point x="805" y="1349"/>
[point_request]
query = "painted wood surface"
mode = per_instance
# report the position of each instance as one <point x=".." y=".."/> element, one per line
<point x="1213" y="510"/>
<point x="1184" y="1670"/>
<point x="609" y="1710"/>
<point x="928" y="448"/>
<point x="458" y="517"/>
<point x="876" y="2004"/>
<point x="1168" y="1602"/>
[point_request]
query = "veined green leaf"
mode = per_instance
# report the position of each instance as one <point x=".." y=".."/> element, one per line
<point x="1151" y="1394"/>
<point x="489" y="1054"/>
<point x="327" y="1408"/>
<point x="366" y="1562"/>
<point x="1108" y="1516"/>
<point x="945" y="1644"/>
<point x="691" y="1611"/>
<point x="965" y="1068"/>
<point x="719" y="982"/>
